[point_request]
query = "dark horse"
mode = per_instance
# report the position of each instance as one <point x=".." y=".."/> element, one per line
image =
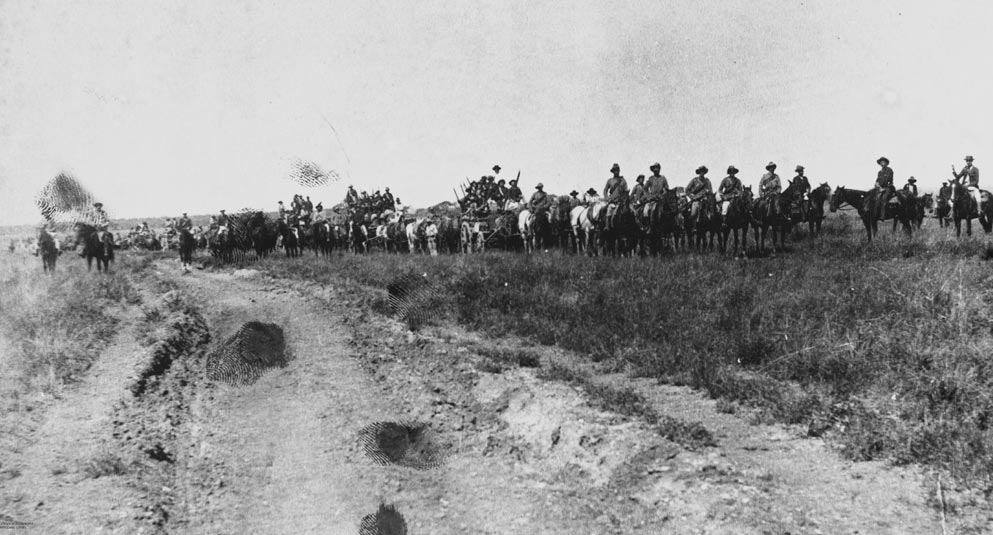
<point x="739" y="215"/>
<point x="559" y="221"/>
<point x="48" y="250"/>
<point x="187" y="243"/>
<point x="291" y="238"/>
<point x="660" y="220"/>
<point x="95" y="247"/>
<point x="861" y="201"/>
<point x="771" y="211"/>
<point x="964" y="207"/>
<point x="702" y="229"/>
<point x="810" y="210"/>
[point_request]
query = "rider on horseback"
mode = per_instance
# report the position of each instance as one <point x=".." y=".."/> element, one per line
<point x="657" y="185"/>
<point x="184" y="224"/>
<point x="222" y="223"/>
<point x="884" y="186"/>
<point x="698" y="189"/>
<point x="539" y="200"/>
<point x="638" y="195"/>
<point x="969" y="177"/>
<point x="911" y="187"/>
<point x="770" y="188"/>
<point x="729" y="189"/>
<point x="615" y="192"/>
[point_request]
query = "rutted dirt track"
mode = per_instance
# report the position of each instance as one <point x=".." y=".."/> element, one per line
<point x="517" y="454"/>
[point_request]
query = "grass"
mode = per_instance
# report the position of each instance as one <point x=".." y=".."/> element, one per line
<point x="882" y="346"/>
<point x="54" y="327"/>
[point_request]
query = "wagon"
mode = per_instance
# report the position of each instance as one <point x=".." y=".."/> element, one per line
<point x="498" y="229"/>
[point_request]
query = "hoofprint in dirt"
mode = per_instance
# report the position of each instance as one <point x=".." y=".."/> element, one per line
<point x="67" y="480"/>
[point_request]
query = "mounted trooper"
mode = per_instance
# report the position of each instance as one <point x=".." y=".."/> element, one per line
<point x="698" y="189"/>
<point x="590" y="197"/>
<point x="656" y="185"/>
<point x="184" y="224"/>
<point x="574" y="199"/>
<point x="884" y="186"/>
<point x="969" y="177"/>
<point x="222" y="223"/>
<point x="729" y="189"/>
<point x="615" y="192"/>
<point x="539" y="200"/>
<point x="911" y="186"/>
<point x="770" y="187"/>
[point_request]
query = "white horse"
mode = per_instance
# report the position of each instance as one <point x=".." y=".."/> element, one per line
<point x="414" y="236"/>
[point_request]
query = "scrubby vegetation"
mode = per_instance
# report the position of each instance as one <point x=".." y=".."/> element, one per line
<point x="884" y="347"/>
<point x="54" y="326"/>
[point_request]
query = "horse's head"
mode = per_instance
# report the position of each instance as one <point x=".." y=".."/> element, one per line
<point x="836" y="198"/>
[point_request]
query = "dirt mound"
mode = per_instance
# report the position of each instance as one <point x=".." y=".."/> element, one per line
<point x="385" y="521"/>
<point x="410" y="299"/>
<point x="187" y="331"/>
<point x="404" y="444"/>
<point x="246" y="355"/>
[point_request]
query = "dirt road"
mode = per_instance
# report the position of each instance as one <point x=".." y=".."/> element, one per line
<point x="509" y="452"/>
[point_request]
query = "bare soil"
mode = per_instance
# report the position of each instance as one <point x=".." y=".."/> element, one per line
<point x="518" y="454"/>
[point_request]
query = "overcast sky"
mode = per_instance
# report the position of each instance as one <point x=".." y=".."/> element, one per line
<point x="164" y="107"/>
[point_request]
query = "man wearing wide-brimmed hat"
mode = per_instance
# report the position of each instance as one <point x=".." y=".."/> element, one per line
<point x="539" y="200"/>
<point x="698" y="188"/>
<point x="638" y="193"/>
<point x="615" y="192"/>
<point x="911" y="186"/>
<point x="969" y="177"/>
<point x="884" y="186"/>
<point x="770" y="187"/>
<point x="656" y="185"/>
<point x="590" y="196"/>
<point x="729" y="189"/>
<point x="574" y="199"/>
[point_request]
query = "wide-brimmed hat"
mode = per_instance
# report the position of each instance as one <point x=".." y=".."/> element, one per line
<point x="512" y="181"/>
<point x="222" y="211"/>
<point x="641" y="178"/>
<point x="911" y="179"/>
<point x="539" y="185"/>
<point x="883" y="159"/>
<point x="98" y="205"/>
<point x="573" y="192"/>
<point x="501" y="181"/>
<point x="496" y="168"/>
<point x="591" y="191"/>
<point x="732" y="169"/>
<point x="655" y="166"/>
<point x="799" y="169"/>
<point x="968" y="158"/>
<point x="770" y="166"/>
<point x="702" y="170"/>
<point x="615" y="167"/>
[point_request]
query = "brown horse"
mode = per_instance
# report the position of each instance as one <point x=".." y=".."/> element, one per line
<point x="737" y="220"/>
<point x="771" y="211"/>
<point x="48" y="250"/>
<point x="862" y="201"/>
<point x="186" y="245"/>
<point x="95" y="246"/>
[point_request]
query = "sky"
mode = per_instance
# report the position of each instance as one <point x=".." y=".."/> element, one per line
<point x="164" y="107"/>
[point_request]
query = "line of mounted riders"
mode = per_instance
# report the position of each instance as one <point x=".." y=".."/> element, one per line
<point x="649" y="218"/>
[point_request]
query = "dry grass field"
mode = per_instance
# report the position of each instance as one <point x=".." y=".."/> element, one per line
<point x="837" y="387"/>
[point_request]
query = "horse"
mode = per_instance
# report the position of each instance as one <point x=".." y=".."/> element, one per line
<point x="416" y="235"/>
<point x="186" y="245"/>
<point x="616" y="233"/>
<point x="815" y="207"/>
<point x="358" y="235"/>
<point x="702" y="227"/>
<point x="771" y="211"/>
<point x="291" y="238"/>
<point x="582" y="228"/>
<point x="964" y="207"/>
<point x="737" y="220"/>
<point x="321" y="232"/>
<point x="48" y="249"/>
<point x="95" y="246"/>
<point x="559" y="222"/>
<point x="220" y="244"/>
<point x="906" y="210"/>
<point x="925" y="204"/>
<point x="862" y="201"/>
<point x="534" y="228"/>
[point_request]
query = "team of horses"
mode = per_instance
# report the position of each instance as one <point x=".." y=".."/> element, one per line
<point x="668" y="223"/>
